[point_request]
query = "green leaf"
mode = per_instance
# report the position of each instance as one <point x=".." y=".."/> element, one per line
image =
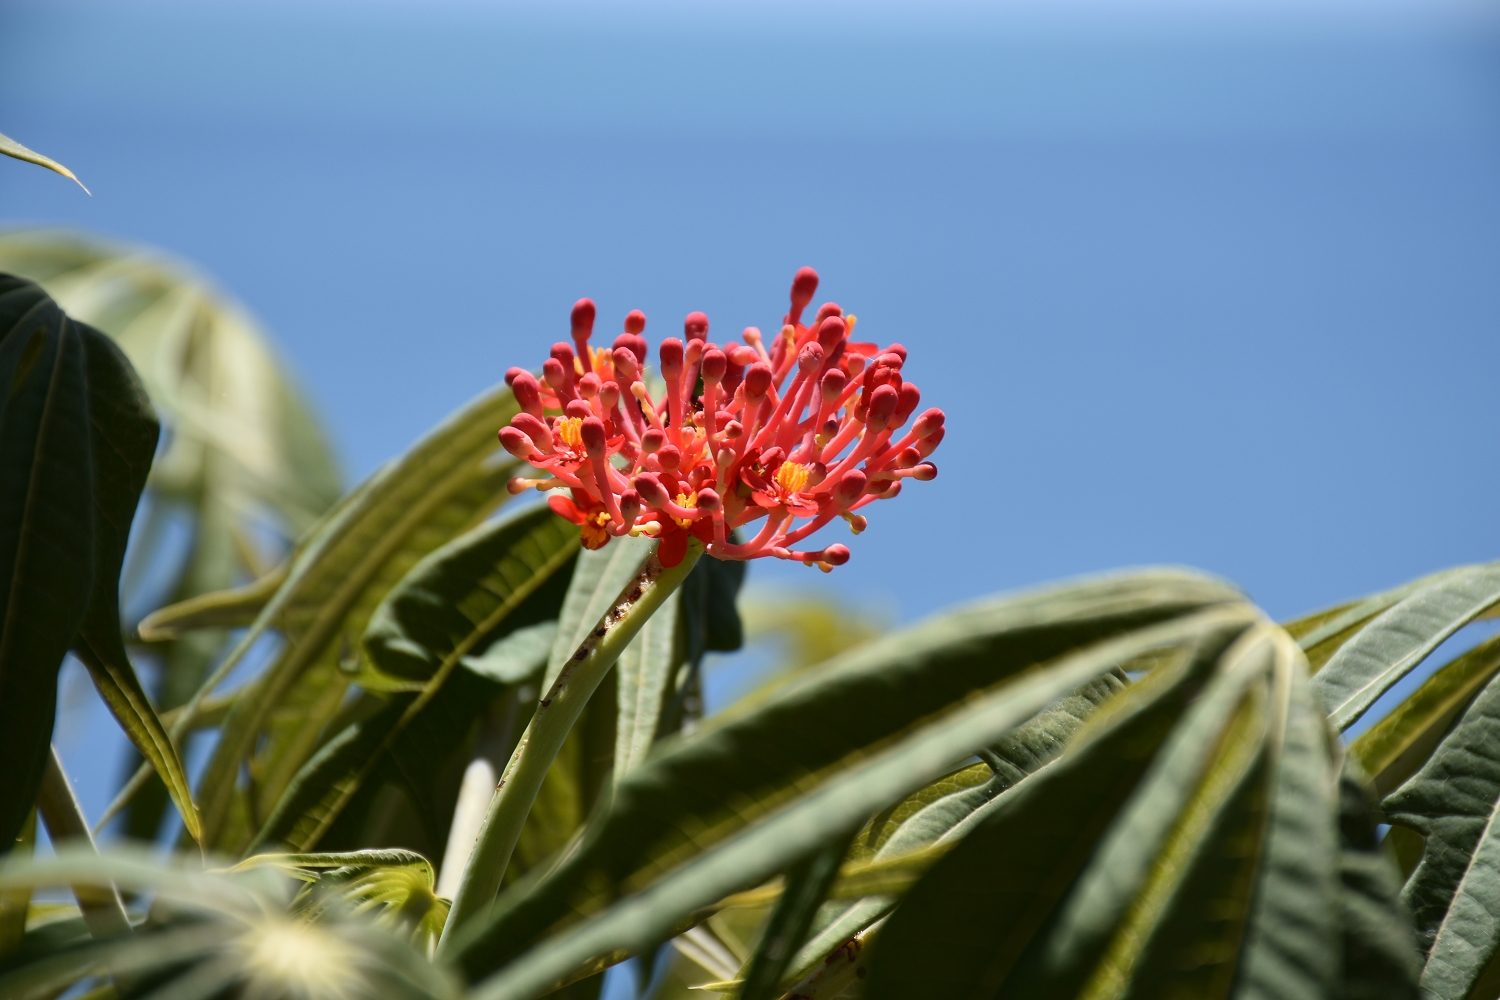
<point x="219" y="609"/>
<point x="644" y="673"/>
<point x="12" y="148"/>
<point x="1399" y="639"/>
<point x="47" y="550"/>
<point x="598" y="580"/>
<point x="806" y="885"/>
<point x="904" y="699"/>
<point x="1454" y="894"/>
<point x="1401" y="742"/>
<point x="1166" y="894"/>
<point x="1380" y="957"/>
<point x="520" y="656"/>
<point x="444" y="485"/>
<point x="504" y="575"/>
<point x="1323" y="633"/>
<point x="1292" y="943"/>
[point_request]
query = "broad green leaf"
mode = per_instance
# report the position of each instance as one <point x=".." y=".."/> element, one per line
<point x="1323" y="633"/>
<point x="598" y="580"/>
<point x="520" y="656"/>
<point x="940" y="812"/>
<point x="503" y="575"/>
<point x="806" y="885"/>
<point x="12" y="148"/>
<point x="1380" y="957"/>
<point x="1399" y="639"/>
<point x="1398" y="744"/>
<point x="1454" y="894"/>
<point x="643" y="673"/>
<point x="982" y="903"/>
<point x="1292" y="942"/>
<point x="1163" y="900"/>
<point x="445" y="484"/>
<point x="634" y="849"/>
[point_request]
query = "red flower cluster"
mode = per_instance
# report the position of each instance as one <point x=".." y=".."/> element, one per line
<point x="805" y="429"/>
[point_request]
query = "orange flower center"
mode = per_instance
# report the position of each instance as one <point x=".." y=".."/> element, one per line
<point x="570" y="429"/>
<point x="792" y="477"/>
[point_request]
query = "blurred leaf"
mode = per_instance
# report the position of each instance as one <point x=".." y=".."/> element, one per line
<point x="1400" y="638"/>
<point x="644" y="674"/>
<point x="807" y="883"/>
<point x="12" y="148"/>
<point x="504" y="575"/>
<point x="1396" y="746"/>
<point x="1323" y="633"/>
<point x="741" y="766"/>
<point x="810" y="628"/>
<point x="1454" y="894"/>
<point x="220" y="609"/>
<point x="447" y="483"/>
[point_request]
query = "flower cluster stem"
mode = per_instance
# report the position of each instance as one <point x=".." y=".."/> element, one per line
<point x="555" y="716"/>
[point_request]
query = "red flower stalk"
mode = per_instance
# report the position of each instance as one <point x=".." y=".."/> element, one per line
<point x="808" y="429"/>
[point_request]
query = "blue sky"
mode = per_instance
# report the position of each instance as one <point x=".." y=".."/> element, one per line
<point x="1213" y="284"/>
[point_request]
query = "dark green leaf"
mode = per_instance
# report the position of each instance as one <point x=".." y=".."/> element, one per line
<point x="47" y="550"/>
<point x="1454" y="894"/>
<point x="806" y="885"/>
<point x="1380" y="958"/>
<point x="1399" y="639"/>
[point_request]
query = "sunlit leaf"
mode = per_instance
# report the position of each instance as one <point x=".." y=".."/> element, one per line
<point x="12" y="148"/>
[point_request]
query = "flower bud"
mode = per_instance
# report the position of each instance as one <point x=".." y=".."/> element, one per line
<point x="825" y="311"/>
<point x="635" y="323"/>
<point x="926" y="446"/>
<point x="714" y="365"/>
<point x="595" y="441"/>
<point x="695" y="327"/>
<point x="651" y="490"/>
<point x="630" y="506"/>
<point x="552" y="371"/>
<point x="833" y="384"/>
<point x="830" y="333"/>
<point x="669" y="456"/>
<point x="609" y="395"/>
<point x="564" y="355"/>
<point x="694" y="352"/>
<point x="741" y="355"/>
<point x="907" y="398"/>
<point x="929" y="423"/>
<point x="517" y="443"/>
<point x="898" y="351"/>
<point x="652" y="440"/>
<point x="625" y="364"/>
<point x="906" y="458"/>
<point x="588" y="386"/>
<point x="924" y="472"/>
<point x="671" y="359"/>
<point x="534" y="428"/>
<point x="850" y="488"/>
<point x="578" y="408"/>
<point x="708" y="500"/>
<point x="733" y="430"/>
<point x="816" y="473"/>
<point x="527" y="393"/>
<point x="836" y="554"/>
<point x="511" y="373"/>
<point x="517" y="486"/>
<point x="771" y="459"/>
<point x="804" y="287"/>
<point x="583" y="319"/>
<point x="809" y="359"/>
<point x="882" y="406"/>
<point x="757" y="381"/>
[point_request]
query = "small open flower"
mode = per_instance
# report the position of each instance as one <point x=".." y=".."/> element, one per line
<point x="793" y="435"/>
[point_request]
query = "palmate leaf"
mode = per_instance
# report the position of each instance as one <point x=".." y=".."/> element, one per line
<point x="698" y="791"/>
<point x="1454" y="894"/>
<point x="77" y="435"/>
<point x="445" y="484"/>
<point x="502" y="576"/>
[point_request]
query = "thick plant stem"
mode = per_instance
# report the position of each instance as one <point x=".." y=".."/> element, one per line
<point x="555" y="715"/>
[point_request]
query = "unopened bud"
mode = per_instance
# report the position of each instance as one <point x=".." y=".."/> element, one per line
<point x="517" y="443"/>
<point x="708" y="500"/>
<point x="609" y="395"/>
<point x="733" y="430"/>
<point x="669" y="456"/>
<point x="595" y="441"/>
<point x="714" y="365"/>
<point x="552" y="371"/>
<point x="588" y="386"/>
<point x="929" y="423"/>
<point x="926" y="446"/>
<point x="809" y="359"/>
<point x="741" y="355"/>
<point x="924" y="472"/>
<point x="583" y="319"/>
<point x="850" y="488"/>
<point x="833" y="384"/>
<point x="816" y="473"/>
<point x="898" y="351"/>
<point x="511" y="373"/>
<point x="635" y="323"/>
<point x="625" y="364"/>
<point x="671" y="359"/>
<point x="651" y="490"/>
<point x="882" y="406"/>
<point x="804" y="287"/>
<point x="694" y="352"/>
<point x="695" y="327"/>
<point x="757" y="381"/>
<point x="517" y="486"/>
<point x="527" y="393"/>
<point x="906" y="458"/>
<point x="534" y="428"/>
<point x="825" y="311"/>
<point x="836" y="555"/>
<point x="652" y="440"/>
<point x="578" y="409"/>
<point x="907" y="399"/>
<point x="830" y="333"/>
<point x="564" y="355"/>
<point x="772" y="458"/>
<point x="630" y="506"/>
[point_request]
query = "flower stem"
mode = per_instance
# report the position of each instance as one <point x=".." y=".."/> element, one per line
<point x="555" y="715"/>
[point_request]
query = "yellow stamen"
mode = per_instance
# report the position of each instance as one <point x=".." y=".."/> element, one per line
<point x="790" y="333"/>
<point x="689" y="500"/>
<point x="792" y="477"/>
<point x="570" y="429"/>
<point x="604" y="362"/>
